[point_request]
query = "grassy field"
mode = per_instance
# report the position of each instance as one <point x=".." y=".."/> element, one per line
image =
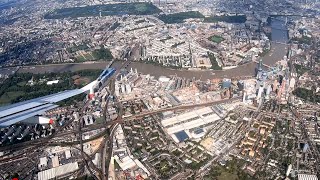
<point x="97" y="54"/>
<point x="84" y="56"/>
<point x="100" y="120"/>
<point x="76" y="48"/>
<point x="227" y="176"/>
<point x="88" y="56"/>
<point x="216" y="39"/>
<point x="22" y="83"/>
<point x="80" y="58"/>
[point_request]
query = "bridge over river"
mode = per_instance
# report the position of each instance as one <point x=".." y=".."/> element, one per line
<point x="277" y="52"/>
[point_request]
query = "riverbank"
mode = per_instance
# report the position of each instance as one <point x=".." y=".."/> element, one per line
<point x="277" y="52"/>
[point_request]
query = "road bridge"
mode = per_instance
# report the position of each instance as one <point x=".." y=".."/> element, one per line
<point x="279" y="42"/>
<point x="282" y="29"/>
<point x="262" y="64"/>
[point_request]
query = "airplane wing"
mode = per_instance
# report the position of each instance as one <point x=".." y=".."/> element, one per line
<point x="14" y="113"/>
<point x="17" y="112"/>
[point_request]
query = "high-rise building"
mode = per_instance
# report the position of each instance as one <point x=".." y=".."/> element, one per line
<point x="259" y="72"/>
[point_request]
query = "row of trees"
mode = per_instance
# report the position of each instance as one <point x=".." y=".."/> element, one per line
<point x="181" y="16"/>
<point x="227" y="19"/>
<point x="302" y="40"/>
<point x="232" y="170"/>
<point x="306" y="94"/>
<point x="137" y="8"/>
<point x="102" y="53"/>
<point x="214" y="62"/>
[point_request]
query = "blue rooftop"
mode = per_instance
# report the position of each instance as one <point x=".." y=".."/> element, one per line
<point x="198" y="131"/>
<point x="181" y="135"/>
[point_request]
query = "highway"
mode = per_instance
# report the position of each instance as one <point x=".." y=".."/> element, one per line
<point x="106" y="145"/>
<point x="87" y="159"/>
<point x="108" y="148"/>
<point x="88" y="163"/>
<point x="109" y="145"/>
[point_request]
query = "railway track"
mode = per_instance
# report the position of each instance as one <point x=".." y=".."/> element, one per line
<point x="109" y="123"/>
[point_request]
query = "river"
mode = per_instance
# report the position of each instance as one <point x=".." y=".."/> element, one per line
<point x="277" y="52"/>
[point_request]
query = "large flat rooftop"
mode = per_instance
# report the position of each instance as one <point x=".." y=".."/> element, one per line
<point x="189" y="121"/>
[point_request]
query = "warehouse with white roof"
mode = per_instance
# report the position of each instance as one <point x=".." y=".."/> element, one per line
<point x="58" y="171"/>
<point x="190" y="124"/>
